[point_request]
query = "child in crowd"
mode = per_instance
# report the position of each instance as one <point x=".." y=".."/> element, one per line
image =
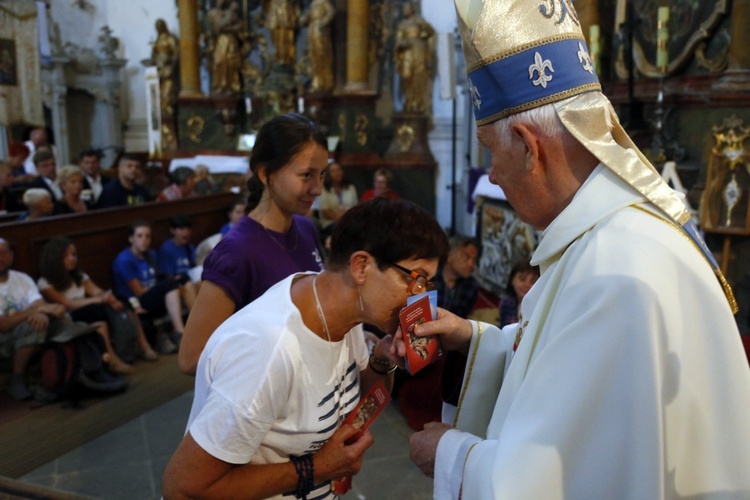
<point x="177" y="258"/>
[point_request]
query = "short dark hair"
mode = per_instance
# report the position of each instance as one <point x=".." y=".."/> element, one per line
<point x="90" y="152"/>
<point x="181" y="175"/>
<point x="138" y="223"/>
<point x="41" y="156"/>
<point x="180" y="221"/>
<point x="459" y="241"/>
<point x="278" y="141"/>
<point x="389" y="230"/>
<point x="128" y="157"/>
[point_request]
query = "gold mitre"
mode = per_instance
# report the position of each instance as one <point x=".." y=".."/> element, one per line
<point x="522" y="54"/>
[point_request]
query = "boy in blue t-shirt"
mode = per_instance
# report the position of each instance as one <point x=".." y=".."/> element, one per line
<point x="177" y="258"/>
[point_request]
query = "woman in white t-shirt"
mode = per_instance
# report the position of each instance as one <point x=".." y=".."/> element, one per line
<point x="276" y="379"/>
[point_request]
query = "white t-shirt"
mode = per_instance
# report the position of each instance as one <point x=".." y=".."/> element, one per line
<point x="73" y="292"/>
<point x="17" y="293"/>
<point x="267" y="387"/>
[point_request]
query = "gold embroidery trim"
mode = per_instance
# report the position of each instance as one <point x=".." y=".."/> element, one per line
<point x="463" y="472"/>
<point x="468" y="372"/>
<point x="719" y="275"/>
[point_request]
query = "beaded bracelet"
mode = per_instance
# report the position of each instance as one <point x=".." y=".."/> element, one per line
<point x="305" y="472"/>
<point x="389" y="365"/>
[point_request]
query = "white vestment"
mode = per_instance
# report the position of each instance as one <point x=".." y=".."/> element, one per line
<point x="630" y="380"/>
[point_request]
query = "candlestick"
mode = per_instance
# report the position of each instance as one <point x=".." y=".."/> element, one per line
<point x="594" y="46"/>
<point x="662" y="37"/>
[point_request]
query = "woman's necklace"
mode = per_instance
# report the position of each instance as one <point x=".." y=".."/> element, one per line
<point x="330" y="346"/>
<point x="280" y="244"/>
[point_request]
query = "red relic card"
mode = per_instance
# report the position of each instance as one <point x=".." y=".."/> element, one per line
<point x="362" y="416"/>
<point x="420" y="351"/>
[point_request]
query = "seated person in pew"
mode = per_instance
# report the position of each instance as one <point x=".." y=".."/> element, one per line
<point x="134" y="273"/>
<point x="24" y="321"/>
<point x="177" y="259"/>
<point x="62" y="282"/>
<point x="124" y="190"/>
<point x="38" y="203"/>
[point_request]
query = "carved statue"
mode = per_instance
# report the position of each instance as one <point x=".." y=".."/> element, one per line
<point x="224" y="46"/>
<point x="165" y="56"/>
<point x="319" y="44"/>
<point x="414" y="58"/>
<point x="282" y="20"/>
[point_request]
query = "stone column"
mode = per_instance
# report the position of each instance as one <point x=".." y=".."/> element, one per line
<point x="737" y="75"/>
<point x="356" y="45"/>
<point x="190" y="85"/>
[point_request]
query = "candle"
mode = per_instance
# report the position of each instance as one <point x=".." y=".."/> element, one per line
<point x="300" y="104"/>
<point x="662" y="36"/>
<point x="248" y="105"/>
<point x="594" y="46"/>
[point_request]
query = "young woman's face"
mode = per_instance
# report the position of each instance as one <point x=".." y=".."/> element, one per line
<point x="140" y="241"/>
<point x="336" y="172"/>
<point x="70" y="258"/>
<point x="296" y="185"/>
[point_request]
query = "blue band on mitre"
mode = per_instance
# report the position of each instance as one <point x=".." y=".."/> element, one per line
<point x="531" y="78"/>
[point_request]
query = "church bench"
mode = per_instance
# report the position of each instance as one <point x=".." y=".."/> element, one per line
<point x="99" y="235"/>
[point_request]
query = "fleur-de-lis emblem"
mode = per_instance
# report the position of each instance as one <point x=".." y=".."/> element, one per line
<point x="476" y="99"/>
<point x="540" y="66"/>
<point x="585" y="59"/>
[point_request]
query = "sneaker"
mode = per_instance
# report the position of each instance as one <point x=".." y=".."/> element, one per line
<point x="166" y="346"/>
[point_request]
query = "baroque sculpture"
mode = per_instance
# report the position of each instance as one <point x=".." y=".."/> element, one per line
<point x="282" y="18"/>
<point x="165" y="56"/>
<point x="320" y="47"/>
<point x="224" y="47"/>
<point x="414" y="49"/>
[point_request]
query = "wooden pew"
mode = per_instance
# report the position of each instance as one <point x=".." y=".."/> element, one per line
<point x="99" y="235"/>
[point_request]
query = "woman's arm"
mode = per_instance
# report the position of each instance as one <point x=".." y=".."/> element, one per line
<point x="378" y="367"/>
<point x="194" y="473"/>
<point x="52" y="295"/>
<point x="212" y="306"/>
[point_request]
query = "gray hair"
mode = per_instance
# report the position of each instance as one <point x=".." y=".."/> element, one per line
<point x="66" y="172"/>
<point x="32" y="196"/>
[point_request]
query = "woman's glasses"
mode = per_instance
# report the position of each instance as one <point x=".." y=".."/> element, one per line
<point x="419" y="282"/>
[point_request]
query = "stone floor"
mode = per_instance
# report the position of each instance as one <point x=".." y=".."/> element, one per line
<point x="128" y="462"/>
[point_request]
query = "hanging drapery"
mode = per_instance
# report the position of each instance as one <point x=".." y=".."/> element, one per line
<point x="20" y="80"/>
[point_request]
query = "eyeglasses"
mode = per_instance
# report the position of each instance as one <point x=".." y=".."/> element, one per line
<point x="419" y="282"/>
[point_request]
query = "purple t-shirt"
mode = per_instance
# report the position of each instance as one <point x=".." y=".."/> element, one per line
<point x="250" y="258"/>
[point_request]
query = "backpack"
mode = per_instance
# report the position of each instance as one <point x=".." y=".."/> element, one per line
<point x="74" y="370"/>
<point x="123" y="333"/>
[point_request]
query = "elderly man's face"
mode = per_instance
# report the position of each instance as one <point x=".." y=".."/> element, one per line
<point x="509" y="169"/>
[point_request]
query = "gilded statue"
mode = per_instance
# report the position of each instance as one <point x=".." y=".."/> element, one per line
<point x="414" y="50"/>
<point x="282" y="20"/>
<point x="224" y="46"/>
<point x="165" y="56"/>
<point x="320" y="47"/>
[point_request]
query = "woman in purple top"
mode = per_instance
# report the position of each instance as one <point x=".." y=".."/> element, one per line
<point x="274" y="240"/>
